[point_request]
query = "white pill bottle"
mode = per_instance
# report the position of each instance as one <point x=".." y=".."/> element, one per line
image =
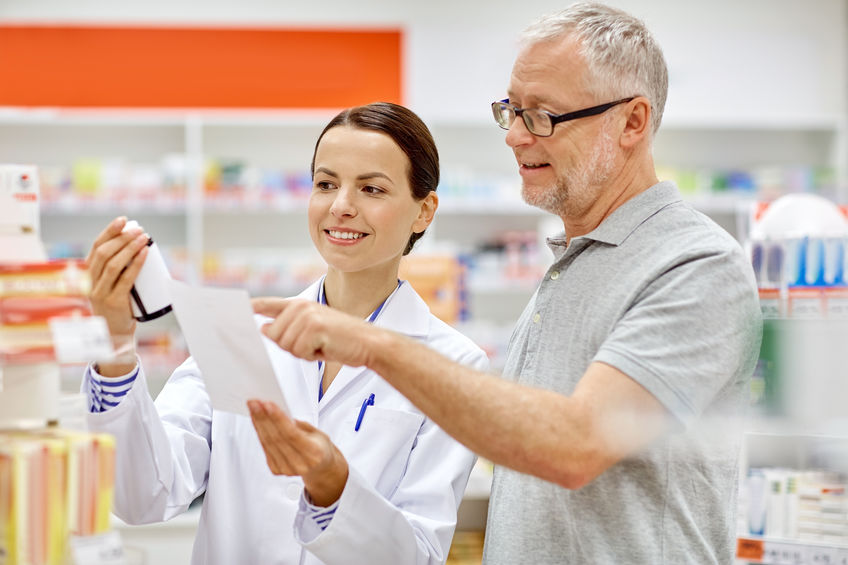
<point x="150" y="298"/>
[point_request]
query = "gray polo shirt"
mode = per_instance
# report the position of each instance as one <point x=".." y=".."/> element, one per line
<point x="665" y="295"/>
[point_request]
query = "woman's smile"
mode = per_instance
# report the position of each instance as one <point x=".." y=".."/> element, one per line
<point x="344" y="236"/>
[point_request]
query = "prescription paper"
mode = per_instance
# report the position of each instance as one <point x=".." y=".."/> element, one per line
<point x="226" y="343"/>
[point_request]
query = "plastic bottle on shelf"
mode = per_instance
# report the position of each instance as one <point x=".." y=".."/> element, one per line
<point x="790" y="523"/>
<point x="756" y="484"/>
<point x="775" y="503"/>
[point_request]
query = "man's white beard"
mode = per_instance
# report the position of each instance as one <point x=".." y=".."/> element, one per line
<point x="577" y="189"/>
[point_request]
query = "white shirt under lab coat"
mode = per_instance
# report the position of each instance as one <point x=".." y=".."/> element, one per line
<point x="406" y="477"/>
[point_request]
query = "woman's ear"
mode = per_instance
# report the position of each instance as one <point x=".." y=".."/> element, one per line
<point x="425" y="215"/>
<point x="639" y="123"/>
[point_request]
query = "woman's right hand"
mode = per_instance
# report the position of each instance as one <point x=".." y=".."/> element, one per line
<point x="297" y="448"/>
<point x="114" y="262"/>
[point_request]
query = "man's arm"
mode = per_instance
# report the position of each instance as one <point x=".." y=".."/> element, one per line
<point x="568" y="440"/>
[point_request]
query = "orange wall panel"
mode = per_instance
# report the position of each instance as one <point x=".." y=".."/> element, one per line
<point x="146" y="67"/>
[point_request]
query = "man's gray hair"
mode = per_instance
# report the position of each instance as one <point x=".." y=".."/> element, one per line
<point x="621" y="54"/>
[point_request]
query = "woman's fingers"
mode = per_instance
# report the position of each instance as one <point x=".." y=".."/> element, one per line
<point x="110" y="231"/>
<point x="294" y="447"/>
<point x="126" y="278"/>
<point x="107" y="243"/>
<point x="117" y="255"/>
<point x="110" y="292"/>
<point x="268" y="427"/>
<point x="277" y="464"/>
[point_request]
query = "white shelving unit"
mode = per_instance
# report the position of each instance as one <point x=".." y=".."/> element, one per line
<point x="285" y="141"/>
<point x="470" y="150"/>
<point x="803" y="426"/>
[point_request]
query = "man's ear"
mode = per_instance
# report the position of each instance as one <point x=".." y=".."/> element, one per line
<point x="638" y="124"/>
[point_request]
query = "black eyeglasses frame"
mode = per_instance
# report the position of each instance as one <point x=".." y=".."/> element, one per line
<point x="555" y="118"/>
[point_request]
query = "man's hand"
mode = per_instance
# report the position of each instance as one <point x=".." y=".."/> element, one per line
<point x="313" y="331"/>
<point x="293" y="447"/>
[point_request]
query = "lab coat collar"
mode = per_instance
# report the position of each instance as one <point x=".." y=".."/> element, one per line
<point x="406" y="313"/>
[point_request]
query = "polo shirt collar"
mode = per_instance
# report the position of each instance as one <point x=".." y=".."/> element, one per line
<point x="627" y="217"/>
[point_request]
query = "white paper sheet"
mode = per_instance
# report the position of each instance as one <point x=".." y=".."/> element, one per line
<point x="225" y="341"/>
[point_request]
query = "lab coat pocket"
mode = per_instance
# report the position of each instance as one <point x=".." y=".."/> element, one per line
<point x="379" y="451"/>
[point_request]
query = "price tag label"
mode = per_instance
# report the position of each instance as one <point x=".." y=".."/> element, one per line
<point x="749" y="549"/>
<point x="102" y="549"/>
<point x="777" y="553"/>
<point x="807" y="308"/>
<point x="770" y="308"/>
<point x="822" y="556"/>
<point x="837" y="308"/>
<point x="80" y="339"/>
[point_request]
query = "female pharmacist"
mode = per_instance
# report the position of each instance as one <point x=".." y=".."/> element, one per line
<point x="359" y="475"/>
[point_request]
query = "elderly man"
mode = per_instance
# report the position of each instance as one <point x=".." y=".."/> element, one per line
<point x="612" y="427"/>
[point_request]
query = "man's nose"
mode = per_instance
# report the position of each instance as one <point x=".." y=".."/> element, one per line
<point x="518" y="134"/>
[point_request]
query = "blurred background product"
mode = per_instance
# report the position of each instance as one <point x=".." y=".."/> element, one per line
<point x="56" y="480"/>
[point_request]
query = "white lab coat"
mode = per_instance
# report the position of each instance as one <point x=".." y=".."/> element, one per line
<point x="406" y="477"/>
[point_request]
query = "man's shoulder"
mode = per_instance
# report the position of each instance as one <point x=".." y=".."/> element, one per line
<point x="677" y="241"/>
<point x="679" y="228"/>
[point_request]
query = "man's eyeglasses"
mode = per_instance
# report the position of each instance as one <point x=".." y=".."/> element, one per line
<point x="541" y="123"/>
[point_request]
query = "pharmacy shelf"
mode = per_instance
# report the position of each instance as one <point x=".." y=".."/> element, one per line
<point x="78" y="207"/>
<point x="318" y="117"/>
<point x="284" y="140"/>
<point x="203" y="224"/>
<point x="718" y="203"/>
<point x="777" y="551"/>
<point x="479" y="193"/>
<point x="799" y="431"/>
<point x="487" y="206"/>
<point x="812" y="122"/>
<point x="498" y="285"/>
<point x="722" y="202"/>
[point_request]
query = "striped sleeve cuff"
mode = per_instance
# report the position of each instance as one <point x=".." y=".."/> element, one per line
<point x="107" y="392"/>
<point x="321" y="516"/>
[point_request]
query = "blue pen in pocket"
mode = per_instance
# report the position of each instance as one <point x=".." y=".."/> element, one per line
<point x="365" y="404"/>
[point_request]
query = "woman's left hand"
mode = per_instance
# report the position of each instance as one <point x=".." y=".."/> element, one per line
<point x="293" y="447"/>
